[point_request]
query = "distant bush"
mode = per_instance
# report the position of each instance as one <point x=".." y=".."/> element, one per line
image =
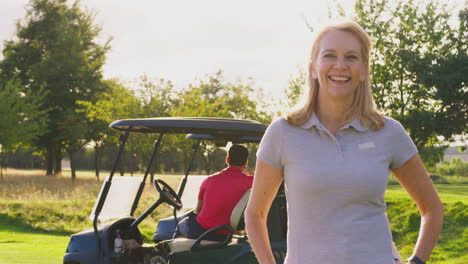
<point x="455" y="166"/>
<point x="438" y="179"/>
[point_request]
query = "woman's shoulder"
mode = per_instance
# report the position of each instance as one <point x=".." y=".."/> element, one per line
<point x="276" y="128"/>
<point x="392" y="125"/>
<point x="278" y="122"/>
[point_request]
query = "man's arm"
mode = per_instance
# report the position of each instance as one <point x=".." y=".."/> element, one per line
<point x="199" y="206"/>
<point x="247" y="171"/>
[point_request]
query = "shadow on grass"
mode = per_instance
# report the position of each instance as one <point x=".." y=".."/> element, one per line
<point x="16" y="225"/>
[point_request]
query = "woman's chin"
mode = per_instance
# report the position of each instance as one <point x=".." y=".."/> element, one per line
<point x="341" y="94"/>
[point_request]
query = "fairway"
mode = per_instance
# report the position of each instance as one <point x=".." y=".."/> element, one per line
<point x="19" y="246"/>
<point x="448" y="193"/>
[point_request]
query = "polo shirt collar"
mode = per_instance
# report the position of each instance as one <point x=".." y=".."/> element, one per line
<point x="356" y="124"/>
<point x="232" y="168"/>
<point x="314" y="121"/>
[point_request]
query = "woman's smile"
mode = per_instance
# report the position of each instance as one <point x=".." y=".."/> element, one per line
<point x="339" y="66"/>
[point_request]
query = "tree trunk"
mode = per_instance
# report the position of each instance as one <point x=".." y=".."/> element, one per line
<point x="58" y="160"/>
<point x="72" y="166"/>
<point x="49" y="162"/>
<point x="96" y="161"/>
<point x="3" y="164"/>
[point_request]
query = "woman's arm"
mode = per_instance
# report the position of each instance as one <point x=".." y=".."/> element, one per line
<point x="266" y="183"/>
<point x="414" y="178"/>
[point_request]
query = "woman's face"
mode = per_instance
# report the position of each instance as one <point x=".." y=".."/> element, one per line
<point x="339" y="65"/>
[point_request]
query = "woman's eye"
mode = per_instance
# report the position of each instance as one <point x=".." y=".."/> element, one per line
<point x="352" y="57"/>
<point x="329" y="56"/>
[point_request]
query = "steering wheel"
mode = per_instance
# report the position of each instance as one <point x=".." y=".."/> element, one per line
<point x="167" y="194"/>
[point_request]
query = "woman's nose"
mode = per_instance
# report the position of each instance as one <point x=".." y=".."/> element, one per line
<point x="340" y="62"/>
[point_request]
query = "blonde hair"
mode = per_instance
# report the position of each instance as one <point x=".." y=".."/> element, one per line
<point x="363" y="105"/>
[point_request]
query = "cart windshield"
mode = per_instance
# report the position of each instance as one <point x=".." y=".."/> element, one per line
<point x="190" y="196"/>
<point x="120" y="198"/>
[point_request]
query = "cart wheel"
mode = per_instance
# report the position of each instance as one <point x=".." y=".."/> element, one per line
<point x="157" y="260"/>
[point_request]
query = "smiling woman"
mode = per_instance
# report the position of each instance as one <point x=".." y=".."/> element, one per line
<point x="339" y="65"/>
<point x="334" y="155"/>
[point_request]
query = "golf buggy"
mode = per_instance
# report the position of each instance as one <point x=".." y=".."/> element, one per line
<point x="115" y="236"/>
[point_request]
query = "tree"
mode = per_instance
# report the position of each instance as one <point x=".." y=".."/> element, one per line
<point x="115" y="102"/>
<point x="55" y="49"/>
<point x="77" y="134"/>
<point x="215" y="97"/>
<point x="296" y="87"/>
<point x="157" y="99"/>
<point x="419" y="69"/>
<point x="21" y="121"/>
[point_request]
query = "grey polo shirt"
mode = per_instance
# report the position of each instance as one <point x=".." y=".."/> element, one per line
<point x="335" y="188"/>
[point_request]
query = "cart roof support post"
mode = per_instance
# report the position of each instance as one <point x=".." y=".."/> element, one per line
<point x="149" y="169"/>
<point x="123" y="139"/>
<point x="195" y="148"/>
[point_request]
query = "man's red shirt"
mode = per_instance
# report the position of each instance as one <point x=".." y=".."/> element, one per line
<point x="220" y="194"/>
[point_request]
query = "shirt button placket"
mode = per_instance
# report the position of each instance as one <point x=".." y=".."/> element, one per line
<point x="338" y="145"/>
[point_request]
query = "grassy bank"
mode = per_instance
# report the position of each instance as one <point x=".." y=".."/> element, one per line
<point x="56" y="204"/>
<point x="38" y="213"/>
<point x="453" y="244"/>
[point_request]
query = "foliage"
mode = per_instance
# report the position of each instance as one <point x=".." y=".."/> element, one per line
<point x="215" y="97"/>
<point x="157" y="98"/>
<point x="297" y="86"/>
<point x="115" y="102"/>
<point x="21" y="120"/>
<point x="55" y="50"/>
<point x="151" y="97"/>
<point x="455" y="166"/>
<point x="419" y="68"/>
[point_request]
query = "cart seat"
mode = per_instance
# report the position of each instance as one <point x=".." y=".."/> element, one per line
<point x="237" y="215"/>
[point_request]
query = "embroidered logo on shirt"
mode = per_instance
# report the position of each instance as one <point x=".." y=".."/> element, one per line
<point x="367" y="145"/>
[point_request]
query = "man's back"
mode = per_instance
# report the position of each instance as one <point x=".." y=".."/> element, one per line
<point x="220" y="193"/>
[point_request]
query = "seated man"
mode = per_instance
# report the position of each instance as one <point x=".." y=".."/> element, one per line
<point x="218" y="196"/>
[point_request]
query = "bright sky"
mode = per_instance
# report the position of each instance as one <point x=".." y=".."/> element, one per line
<point x="183" y="40"/>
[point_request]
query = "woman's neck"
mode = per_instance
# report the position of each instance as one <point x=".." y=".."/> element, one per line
<point x="333" y="114"/>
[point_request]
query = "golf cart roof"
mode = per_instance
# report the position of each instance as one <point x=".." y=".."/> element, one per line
<point x="218" y="127"/>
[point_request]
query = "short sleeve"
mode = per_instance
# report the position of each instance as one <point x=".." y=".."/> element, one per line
<point x="401" y="146"/>
<point x="270" y="149"/>
<point x="202" y="189"/>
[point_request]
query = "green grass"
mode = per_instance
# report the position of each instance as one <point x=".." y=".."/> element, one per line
<point x="404" y="219"/>
<point x="448" y="193"/>
<point x="28" y="247"/>
<point x="38" y="213"/>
